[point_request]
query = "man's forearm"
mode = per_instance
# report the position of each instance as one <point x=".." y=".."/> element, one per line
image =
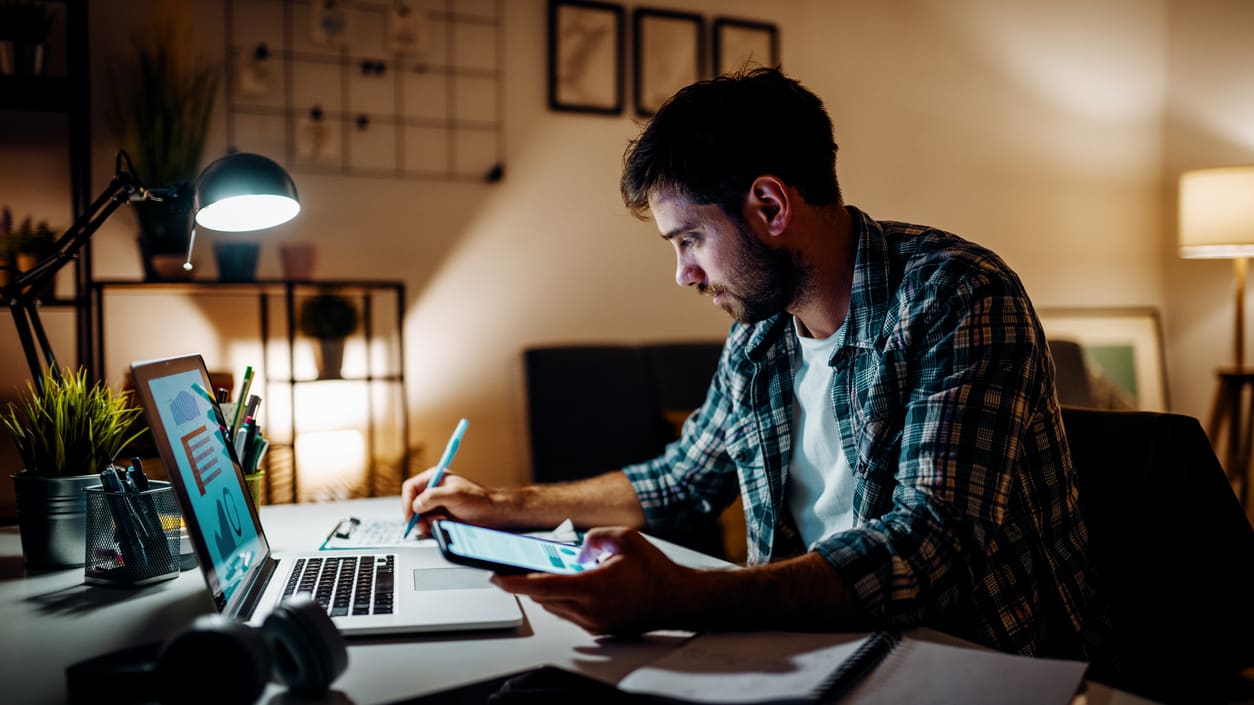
<point x="803" y="593"/>
<point x="604" y="500"/>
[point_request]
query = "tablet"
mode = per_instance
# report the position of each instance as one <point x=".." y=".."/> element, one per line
<point x="504" y="552"/>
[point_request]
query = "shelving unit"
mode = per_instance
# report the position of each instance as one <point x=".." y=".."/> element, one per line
<point x="69" y="95"/>
<point x="278" y="303"/>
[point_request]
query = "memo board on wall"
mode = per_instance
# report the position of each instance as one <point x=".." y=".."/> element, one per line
<point x="387" y="88"/>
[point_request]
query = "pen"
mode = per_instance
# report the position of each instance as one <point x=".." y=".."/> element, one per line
<point x="450" y="450"/>
<point x="243" y="400"/>
<point x="217" y="413"/>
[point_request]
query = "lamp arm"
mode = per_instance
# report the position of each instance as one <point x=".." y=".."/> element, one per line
<point x="22" y="293"/>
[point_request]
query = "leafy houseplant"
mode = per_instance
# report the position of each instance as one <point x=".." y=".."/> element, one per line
<point x="27" y="244"/>
<point x="24" y="26"/>
<point x="330" y="318"/>
<point x="161" y="116"/>
<point x="33" y="242"/>
<point x="64" y="435"/>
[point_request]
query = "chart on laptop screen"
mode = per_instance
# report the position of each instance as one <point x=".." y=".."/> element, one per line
<point x="204" y="464"/>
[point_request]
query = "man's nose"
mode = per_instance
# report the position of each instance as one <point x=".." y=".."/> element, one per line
<point x="686" y="273"/>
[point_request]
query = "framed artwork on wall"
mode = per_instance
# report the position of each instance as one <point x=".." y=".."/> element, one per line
<point x="586" y="56"/>
<point x="740" y="43"/>
<point x="1121" y="351"/>
<point x="669" y="53"/>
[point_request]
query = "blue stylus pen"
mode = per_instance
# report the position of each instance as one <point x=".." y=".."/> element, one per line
<point x="450" y="450"/>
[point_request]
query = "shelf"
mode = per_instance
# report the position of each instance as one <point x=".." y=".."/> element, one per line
<point x="270" y="286"/>
<point x="379" y="386"/>
<point x="355" y="379"/>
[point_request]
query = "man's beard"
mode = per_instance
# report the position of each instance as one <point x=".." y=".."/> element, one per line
<point x="767" y="280"/>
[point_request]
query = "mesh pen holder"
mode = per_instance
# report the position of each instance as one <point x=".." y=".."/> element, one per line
<point x="132" y="537"/>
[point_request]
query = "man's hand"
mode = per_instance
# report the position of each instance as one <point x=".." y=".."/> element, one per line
<point x="454" y="498"/>
<point x="600" y="500"/>
<point x="634" y="589"/>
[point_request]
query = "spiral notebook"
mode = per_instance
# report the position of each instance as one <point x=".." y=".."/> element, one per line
<point x="879" y="668"/>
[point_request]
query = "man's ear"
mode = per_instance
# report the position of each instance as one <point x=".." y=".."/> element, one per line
<point x="768" y="206"/>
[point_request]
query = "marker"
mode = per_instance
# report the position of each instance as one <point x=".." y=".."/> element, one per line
<point x="243" y="401"/>
<point x="222" y="428"/>
<point x="450" y="450"/>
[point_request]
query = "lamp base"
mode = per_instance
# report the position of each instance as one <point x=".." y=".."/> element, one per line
<point x="1231" y="428"/>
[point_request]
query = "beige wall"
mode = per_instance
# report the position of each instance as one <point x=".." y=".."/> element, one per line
<point x="1049" y="130"/>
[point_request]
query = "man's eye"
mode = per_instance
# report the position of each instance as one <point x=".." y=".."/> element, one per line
<point x="687" y="242"/>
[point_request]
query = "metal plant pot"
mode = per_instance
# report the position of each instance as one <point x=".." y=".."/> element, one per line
<point x="52" y="518"/>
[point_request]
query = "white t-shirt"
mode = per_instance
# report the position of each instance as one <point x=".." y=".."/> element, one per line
<point x="820" y="480"/>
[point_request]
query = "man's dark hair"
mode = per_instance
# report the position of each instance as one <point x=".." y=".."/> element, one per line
<point x="710" y="140"/>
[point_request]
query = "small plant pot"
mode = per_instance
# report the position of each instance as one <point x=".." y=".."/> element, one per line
<point x="329" y="355"/>
<point x="52" y="519"/>
<point x="237" y="261"/>
<point x="297" y="260"/>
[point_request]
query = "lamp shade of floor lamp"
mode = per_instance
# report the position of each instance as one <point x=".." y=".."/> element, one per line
<point x="1217" y="221"/>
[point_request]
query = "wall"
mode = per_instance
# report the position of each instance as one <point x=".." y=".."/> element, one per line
<point x="1209" y="122"/>
<point x="1035" y="128"/>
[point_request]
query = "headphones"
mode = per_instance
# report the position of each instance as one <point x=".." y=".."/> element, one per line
<point x="298" y="643"/>
<point x="221" y="661"/>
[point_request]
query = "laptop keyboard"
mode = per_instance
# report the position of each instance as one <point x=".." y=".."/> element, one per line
<point x="346" y="585"/>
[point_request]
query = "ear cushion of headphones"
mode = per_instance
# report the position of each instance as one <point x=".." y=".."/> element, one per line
<point x="231" y="652"/>
<point x="309" y="652"/>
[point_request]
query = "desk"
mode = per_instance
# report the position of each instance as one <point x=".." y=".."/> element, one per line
<point x="52" y="620"/>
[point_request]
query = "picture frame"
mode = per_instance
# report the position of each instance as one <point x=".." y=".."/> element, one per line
<point x="668" y="54"/>
<point x="738" y="43"/>
<point x="1122" y="350"/>
<point x="586" y="48"/>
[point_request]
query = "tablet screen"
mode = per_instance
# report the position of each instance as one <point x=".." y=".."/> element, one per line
<point x="504" y="548"/>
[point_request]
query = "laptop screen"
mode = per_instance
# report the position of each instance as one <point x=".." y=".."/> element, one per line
<point x="184" y="425"/>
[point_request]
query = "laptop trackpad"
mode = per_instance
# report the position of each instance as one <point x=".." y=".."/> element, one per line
<point x="451" y="578"/>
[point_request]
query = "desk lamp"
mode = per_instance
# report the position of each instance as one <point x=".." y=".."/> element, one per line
<point x="1217" y="221"/>
<point x="235" y="193"/>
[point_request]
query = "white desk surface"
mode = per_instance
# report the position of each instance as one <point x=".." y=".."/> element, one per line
<point x="49" y="621"/>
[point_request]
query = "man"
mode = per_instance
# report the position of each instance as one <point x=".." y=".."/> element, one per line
<point x="884" y="403"/>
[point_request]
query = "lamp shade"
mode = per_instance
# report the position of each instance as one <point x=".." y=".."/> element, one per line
<point x="245" y="191"/>
<point x="1217" y="213"/>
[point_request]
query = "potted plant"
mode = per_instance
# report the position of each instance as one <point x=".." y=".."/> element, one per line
<point x="163" y="102"/>
<point x="24" y="26"/>
<point x="330" y="318"/>
<point x="30" y="242"/>
<point x="64" y="434"/>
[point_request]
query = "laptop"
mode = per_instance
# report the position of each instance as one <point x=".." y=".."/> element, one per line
<point x="376" y="591"/>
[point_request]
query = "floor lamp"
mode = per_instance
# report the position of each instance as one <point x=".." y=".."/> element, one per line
<point x="1217" y="221"/>
<point x="238" y="192"/>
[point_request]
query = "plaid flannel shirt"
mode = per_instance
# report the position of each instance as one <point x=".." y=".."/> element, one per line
<point x="965" y="505"/>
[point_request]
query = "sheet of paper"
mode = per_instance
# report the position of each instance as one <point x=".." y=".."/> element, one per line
<point x="353" y="533"/>
<point x="744" y="667"/>
<point x="372" y="533"/>
<point x="939" y="674"/>
<point x="755" y="667"/>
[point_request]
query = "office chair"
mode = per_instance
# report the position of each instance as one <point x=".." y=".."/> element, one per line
<point x="596" y="408"/>
<point x="1173" y="550"/>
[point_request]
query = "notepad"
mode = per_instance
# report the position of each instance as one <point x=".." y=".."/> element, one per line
<point x="859" y="669"/>
<point x="355" y="533"/>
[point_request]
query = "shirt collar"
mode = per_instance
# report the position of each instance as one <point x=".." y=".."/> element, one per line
<point x="871" y="294"/>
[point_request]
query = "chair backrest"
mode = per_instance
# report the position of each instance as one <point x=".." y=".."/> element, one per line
<point x="1173" y="549"/>
<point x="595" y="408"/>
<point x="590" y="409"/>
